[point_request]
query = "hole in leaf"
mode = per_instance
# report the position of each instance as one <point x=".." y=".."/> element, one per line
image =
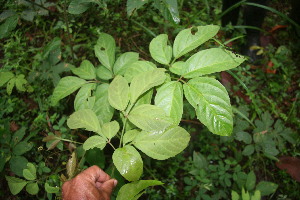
<point x="194" y="30"/>
<point x="102" y="48"/>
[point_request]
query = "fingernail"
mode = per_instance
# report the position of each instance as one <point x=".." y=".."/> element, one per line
<point x="115" y="182"/>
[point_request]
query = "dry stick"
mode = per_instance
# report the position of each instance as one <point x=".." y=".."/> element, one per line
<point x="68" y="31"/>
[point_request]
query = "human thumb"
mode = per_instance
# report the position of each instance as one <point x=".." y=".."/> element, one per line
<point x="108" y="186"/>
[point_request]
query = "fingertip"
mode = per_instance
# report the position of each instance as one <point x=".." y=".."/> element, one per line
<point x="115" y="182"/>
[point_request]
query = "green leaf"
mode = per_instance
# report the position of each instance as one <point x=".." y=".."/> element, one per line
<point x="105" y="50"/>
<point x="51" y="47"/>
<point x="32" y="188"/>
<point x="110" y="129"/>
<point x="256" y="196"/>
<point x="22" y="148"/>
<point x="129" y="136"/>
<point x="15" y="184"/>
<point x="133" y="5"/>
<point x="178" y="68"/>
<point x="102" y="108"/>
<point x="137" y="68"/>
<point x="124" y="61"/>
<point x="8" y="26"/>
<point x="162" y="145"/>
<point x="248" y="150"/>
<point x="210" y="61"/>
<point x="30" y="172"/>
<point x="187" y="40"/>
<point x="50" y="189"/>
<point x="234" y="195"/>
<point x="243" y="136"/>
<point x="104" y="73"/>
<point x="83" y="99"/>
<point x="144" y="98"/>
<point x="91" y="154"/>
<point x="212" y="104"/>
<point x="21" y="83"/>
<point x="10" y="85"/>
<point x="245" y="194"/>
<point x="77" y="7"/>
<point x="118" y="93"/>
<point x="199" y="160"/>
<point x="18" y="164"/>
<point x="145" y="81"/>
<point x="169" y="97"/>
<point x="266" y="188"/>
<point x="132" y="190"/>
<point x="149" y="117"/>
<point x="65" y="87"/>
<point x="28" y="15"/>
<point x="251" y="181"/>
<point x="84" y="118"/>
<point x="18" y="135"/>
<point x="160" y="50"/>
<point x="5" y="77"/>
<point x="86" y="70"/>
<point x="94" y="141"/>
<point x="168" y="9"/>
<point x="129" y="163"/>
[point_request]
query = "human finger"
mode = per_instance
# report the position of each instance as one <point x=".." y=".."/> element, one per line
<point x="95" y="174"/>
<point x="107" y="187"/>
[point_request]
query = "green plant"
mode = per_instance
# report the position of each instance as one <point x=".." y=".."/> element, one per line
<point x="153" y="129"/>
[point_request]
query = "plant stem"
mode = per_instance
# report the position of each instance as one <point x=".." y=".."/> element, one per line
<point x="111" y="145"/>
<point x="68" y="30"/>
<point x="66" y="140"/>
<point x="143" y="27"/>
<point x="123" y="130"/>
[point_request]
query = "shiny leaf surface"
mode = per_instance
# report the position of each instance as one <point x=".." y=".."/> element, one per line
<point x="129" y="163"/>
<point x="212" y="104"/>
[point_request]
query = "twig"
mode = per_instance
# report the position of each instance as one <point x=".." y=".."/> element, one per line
<point x="68" y="31"/>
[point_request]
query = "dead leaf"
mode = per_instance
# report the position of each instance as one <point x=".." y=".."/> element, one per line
<point x="291" y="165"/>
